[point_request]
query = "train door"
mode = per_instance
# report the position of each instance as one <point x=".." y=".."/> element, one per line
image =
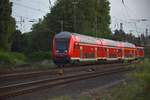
<point x="123" y="53"/>
<point x="138" y="52"/>
<point x="119" y="53"/>
<point x="100" y="52"/>
<point x="81" y="52"/>
<point x="76" y="51"/>
<point x="110" y="52"/>
<point x="134" y="53"/>
<point x="96" y="53"/>
<point x="107" y="53"/>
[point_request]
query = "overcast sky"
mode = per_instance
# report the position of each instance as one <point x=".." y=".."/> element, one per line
<point x="129" y="13"/>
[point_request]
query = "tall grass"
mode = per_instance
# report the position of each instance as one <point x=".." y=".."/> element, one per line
<point x="144" y="78"/>
<point x="12" y="58"/>
<point x="39" y="56"/>
<point x="138" y="88"/>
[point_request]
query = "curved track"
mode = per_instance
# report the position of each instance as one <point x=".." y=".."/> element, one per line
<point x="21" y="88"/>
<point x="36" y="73"/>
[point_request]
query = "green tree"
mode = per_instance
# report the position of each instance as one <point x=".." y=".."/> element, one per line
<point x="90" y="17"/>
<point x="7" y="25"/>
<point x="26" y="43"/>
<point x="119" y="35"/>
<point x="42" y="35"/>
<point x="16" y="41"/>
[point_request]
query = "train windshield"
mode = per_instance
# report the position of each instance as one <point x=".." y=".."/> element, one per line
<point x="62" y="44"/>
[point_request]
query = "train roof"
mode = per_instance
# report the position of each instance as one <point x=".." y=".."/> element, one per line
<point x="107" y="42"/>
<point x="86" y="39"/>
<point x="139" y="47"/>
<point x="129" y="45"/>
<point x="94" y="40"/>
<point x="63" y="35"/>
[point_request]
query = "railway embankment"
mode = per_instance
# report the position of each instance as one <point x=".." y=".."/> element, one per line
<point x="113" y="86"/>
<point x="138" y="88"/>
<point x="13" y="61"/>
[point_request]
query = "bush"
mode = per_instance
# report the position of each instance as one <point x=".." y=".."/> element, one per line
<point x="12" y="58"/>
<point x="144" y="77"/>
<point x="39" y="56"/>
<point x="138" y="88"/>
<point x="147" y="51"/>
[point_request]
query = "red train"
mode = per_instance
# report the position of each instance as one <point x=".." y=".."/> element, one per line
<point x="74" y="48"/>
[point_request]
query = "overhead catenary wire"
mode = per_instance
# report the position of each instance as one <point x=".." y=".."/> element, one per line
<point x="122" y="1"/>
<point x="23" y="17"/>
<point x="28" y="7"/>
<point x="22" y="20"/>
<point x="129" y="16"/>
<point x="29" y="2"/>
<point x="50" y="3"/>
<point x="15" y="14"/>
<point x="116" y="21"/>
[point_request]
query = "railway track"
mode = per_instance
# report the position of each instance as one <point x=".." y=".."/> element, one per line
<point x="36" y="73"/>
<point x="22" y="88"/>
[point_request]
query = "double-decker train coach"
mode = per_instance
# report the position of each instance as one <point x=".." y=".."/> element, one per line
<point x="139" y="52"/>
<point x="76" y="48"/>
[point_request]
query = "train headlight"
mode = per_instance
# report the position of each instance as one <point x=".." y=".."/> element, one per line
<point x="65" y="51"/>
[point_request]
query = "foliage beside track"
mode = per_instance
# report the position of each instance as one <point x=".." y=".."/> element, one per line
<point x="137" y="89"/>
<point x="144" y="79"/>
<point x="15" y="61"/>
<point x="12" y="58"/>
<point x="39" y="56"/>
<point x="147" y="51"/>
<point x="7" y="25"/>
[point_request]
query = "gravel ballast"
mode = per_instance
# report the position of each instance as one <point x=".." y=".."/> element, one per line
<point x="76" y="89"/>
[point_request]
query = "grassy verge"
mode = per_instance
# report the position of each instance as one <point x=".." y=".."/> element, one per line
<point x="138" y="88"/>
<point x="39" y="56"/>
<point x="70" y="98"/>
<point x="12" y="58"/>
<point x="18" y="61"/>
<point x="41" y="65"/>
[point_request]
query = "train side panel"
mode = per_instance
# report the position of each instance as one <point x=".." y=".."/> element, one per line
<point x="139" y="52"/>
<point x="83" y="48"/>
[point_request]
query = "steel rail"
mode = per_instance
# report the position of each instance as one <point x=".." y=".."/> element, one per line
<point x="21" y="75"/>
<point x="17" y="89"/>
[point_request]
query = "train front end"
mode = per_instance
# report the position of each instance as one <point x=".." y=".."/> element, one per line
<point x="61" y="48"/>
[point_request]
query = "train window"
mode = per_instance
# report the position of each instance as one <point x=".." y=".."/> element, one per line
<point x="76" y="46"/>
<point x="105" y="49"/>
<point x="119" y="50"/>
<point x="99" y="48"/>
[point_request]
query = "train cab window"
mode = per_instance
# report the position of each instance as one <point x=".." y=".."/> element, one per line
<point x="62" y="44"/>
